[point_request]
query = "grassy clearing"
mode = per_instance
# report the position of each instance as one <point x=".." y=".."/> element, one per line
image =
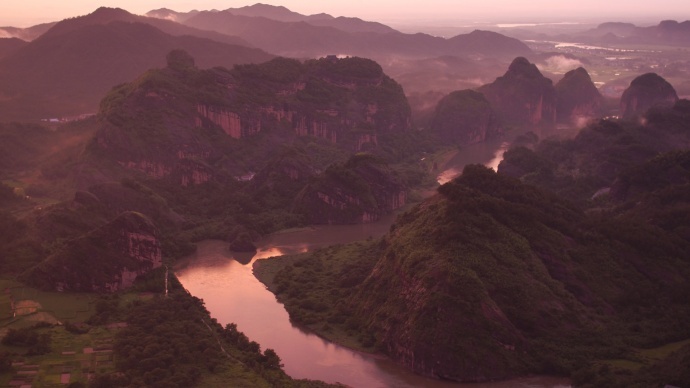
<point x="646" y="357"/>
<point x="662" y="352"/>
<point x="624" y="364"/>
<point x="63" y="306"/>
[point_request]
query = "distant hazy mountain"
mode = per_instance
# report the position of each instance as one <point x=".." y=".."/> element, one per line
<point x="29" y="33"/>
<point x="667" y="32"/>
<point x="69" y="68"/>
<point x="105" y="15"/>
<point x="282" y="14"/>
<point x="616" y="28"/>
<point x="283" y="32"/>
<point x="279" y="13"/>
<point x="296" y="39"/>
<point x="479" y="41"/>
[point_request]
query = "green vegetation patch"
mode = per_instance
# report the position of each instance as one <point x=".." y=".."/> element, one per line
<point x="313" y="286"/>
<point x="64" y="306"/>
<point x="137" y="338"/>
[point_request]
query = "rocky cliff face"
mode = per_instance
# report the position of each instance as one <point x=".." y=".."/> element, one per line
<point x="646" y="91"/>
<point x="522" y="95"/>
<point x="358" y="191"/>
<point x="464" y="117"/>
<point x="180" y="123"/>
<point x="578" y="98"/>
<point x="105" y="260"/>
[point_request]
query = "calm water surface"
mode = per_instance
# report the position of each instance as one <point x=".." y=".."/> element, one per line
<point x="232" y="294"/>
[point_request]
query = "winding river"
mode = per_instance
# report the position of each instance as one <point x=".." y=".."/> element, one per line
<point x="232" y="294"/>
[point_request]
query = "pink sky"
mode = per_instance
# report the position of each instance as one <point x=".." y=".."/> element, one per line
<point x="29" y="12"/>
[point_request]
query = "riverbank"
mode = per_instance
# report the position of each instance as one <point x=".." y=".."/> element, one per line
<point x="334" y="329"/>
<point x="266" y="270"/>
<point x="233" y="295"/>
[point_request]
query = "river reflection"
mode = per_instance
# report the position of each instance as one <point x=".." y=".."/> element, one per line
<point x="232" y="294"/>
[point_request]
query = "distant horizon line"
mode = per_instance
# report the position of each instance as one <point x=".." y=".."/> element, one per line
<point x="410" y="20"/>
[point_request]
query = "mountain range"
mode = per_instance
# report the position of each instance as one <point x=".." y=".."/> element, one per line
<point x="66" y="66"/>
<point x="71" y="66"/>
<point x="306" y="38"/>
<point x="666" y="33"/>
<point x="282" y="14"/>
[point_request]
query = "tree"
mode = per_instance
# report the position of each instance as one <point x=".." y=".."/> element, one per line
<point x="271" y="359"/>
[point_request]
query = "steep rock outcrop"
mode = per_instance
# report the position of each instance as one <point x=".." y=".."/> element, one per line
<point x="522" y="95"/>
<point x="464" y="117"/>
<point x="577" y="96"/>
<point x="646" y="91"/>
<point x="358" y="191"/>
<point x="228" y="121"/>
<point x="105" y="260"/>
<point x="187" y="125"/>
